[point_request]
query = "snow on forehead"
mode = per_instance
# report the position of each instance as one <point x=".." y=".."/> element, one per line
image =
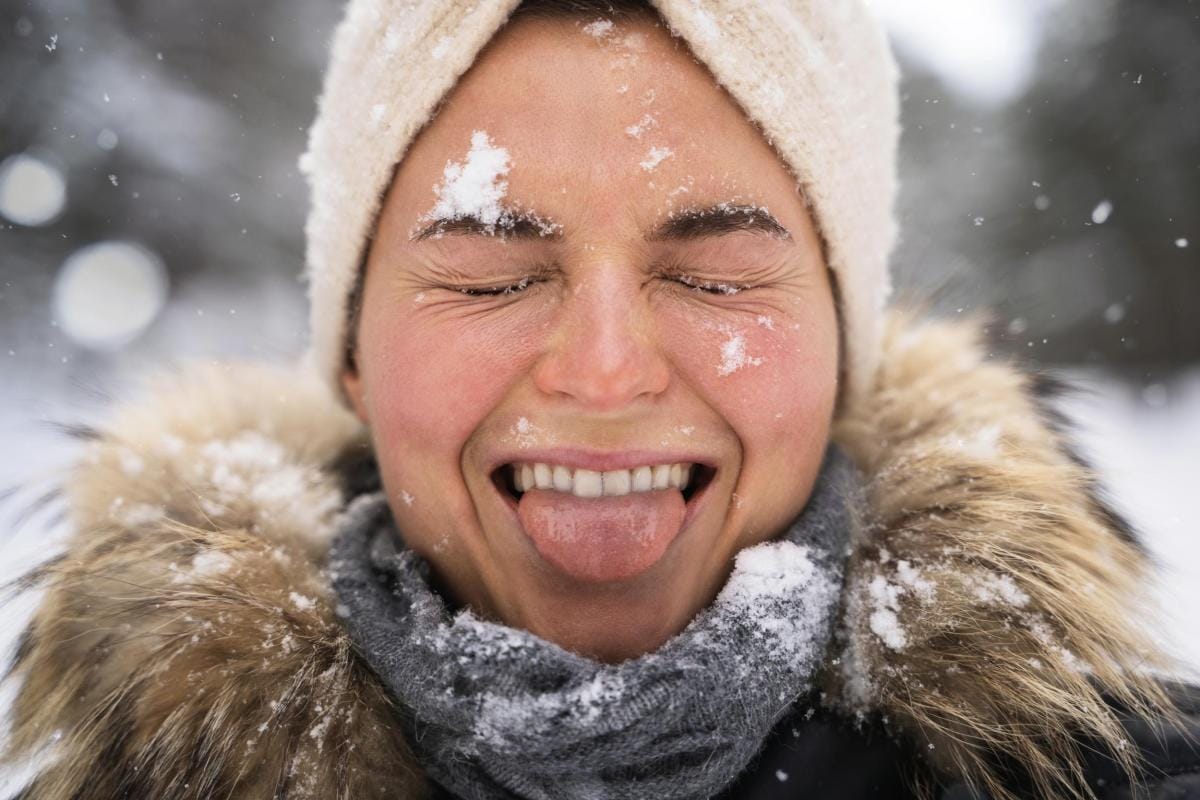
<point x="599" y="28"/>
<point x="624" y="46"/>
<point x="474" y="187"/>
<point x="654" y="157"/>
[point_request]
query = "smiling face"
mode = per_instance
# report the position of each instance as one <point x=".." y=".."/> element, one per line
<point x="589" y="265"/>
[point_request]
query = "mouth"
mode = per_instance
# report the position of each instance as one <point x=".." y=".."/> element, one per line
<point x="515" y="479"/>
<point x="602" y="526"/>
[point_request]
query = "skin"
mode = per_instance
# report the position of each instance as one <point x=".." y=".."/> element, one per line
<point x="607" y="349"/>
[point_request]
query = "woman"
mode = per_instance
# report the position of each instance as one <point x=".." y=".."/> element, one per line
<point x="620" y="483"/>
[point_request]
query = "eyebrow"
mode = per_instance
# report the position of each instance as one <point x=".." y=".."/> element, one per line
<point x="719" y="220"/>
<point x="511" y="225"/>
<point x="699" y="222"/>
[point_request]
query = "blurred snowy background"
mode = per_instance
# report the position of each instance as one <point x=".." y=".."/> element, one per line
<point x="151" y="210"/>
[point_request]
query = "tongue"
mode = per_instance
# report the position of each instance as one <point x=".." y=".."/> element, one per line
<point x="602" y="538"/>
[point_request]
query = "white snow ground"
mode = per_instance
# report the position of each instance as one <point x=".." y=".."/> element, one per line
<point x="1145" y="442"/>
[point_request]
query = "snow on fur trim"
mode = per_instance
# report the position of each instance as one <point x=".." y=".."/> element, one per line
<point x="817" y="77"/>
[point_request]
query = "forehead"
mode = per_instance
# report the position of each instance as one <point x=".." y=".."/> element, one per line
<point x="600" y="115"/>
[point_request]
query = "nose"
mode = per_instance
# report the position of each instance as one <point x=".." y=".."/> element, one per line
<point x="603" y="353"/>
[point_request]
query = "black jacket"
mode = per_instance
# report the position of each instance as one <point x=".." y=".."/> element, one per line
<point x="828" y="756"/>
<point x="824" y="755"/>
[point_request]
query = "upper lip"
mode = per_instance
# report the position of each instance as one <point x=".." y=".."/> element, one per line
<point x="600" y="460"/>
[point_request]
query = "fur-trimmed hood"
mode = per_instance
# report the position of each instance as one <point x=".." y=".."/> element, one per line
<point x="188" y="644"/>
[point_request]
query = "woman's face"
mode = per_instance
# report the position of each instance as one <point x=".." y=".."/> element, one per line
<point x="667" y="303"/>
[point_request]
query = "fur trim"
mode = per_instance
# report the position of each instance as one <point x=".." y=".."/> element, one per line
<point x="993" y="598"/>
<point x="188" y="645"/>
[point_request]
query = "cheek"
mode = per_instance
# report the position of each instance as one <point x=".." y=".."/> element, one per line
<point x="431" y="377"/>
<point x="772" y="377"/>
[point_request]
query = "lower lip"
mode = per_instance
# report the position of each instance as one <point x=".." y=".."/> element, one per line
<point x="603" y="539"/>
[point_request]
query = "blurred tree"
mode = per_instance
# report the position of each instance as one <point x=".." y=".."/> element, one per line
<point x="1075" y="211"/>
<point x="1116" y="125"/>
<point x="177" y="127"/>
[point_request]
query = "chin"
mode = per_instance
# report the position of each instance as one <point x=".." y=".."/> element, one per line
<point x="609" y="622"/>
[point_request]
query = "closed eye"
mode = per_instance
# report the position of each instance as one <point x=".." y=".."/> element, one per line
<point x="495" y="291"/>
<point x="724" y="288"/>
<point x="710" y="287"/>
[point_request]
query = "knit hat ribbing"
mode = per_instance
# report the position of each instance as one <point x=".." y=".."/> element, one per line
<point x="818" y="78"/>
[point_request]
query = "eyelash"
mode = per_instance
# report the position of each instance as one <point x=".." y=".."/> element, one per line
<point x="706" y="287"/>
<point x="495" y="291"/>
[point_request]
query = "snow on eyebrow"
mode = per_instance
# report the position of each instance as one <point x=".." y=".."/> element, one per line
<point x="474" y="187"/>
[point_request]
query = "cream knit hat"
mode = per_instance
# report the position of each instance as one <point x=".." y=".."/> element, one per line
<point x="817" y="76"/>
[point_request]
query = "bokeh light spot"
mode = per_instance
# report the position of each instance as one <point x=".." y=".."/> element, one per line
<point x="106" y="294"/>
<point x="32" y="191"/>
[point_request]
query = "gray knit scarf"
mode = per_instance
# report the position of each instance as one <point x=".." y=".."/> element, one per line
<point x="496" y="712"/>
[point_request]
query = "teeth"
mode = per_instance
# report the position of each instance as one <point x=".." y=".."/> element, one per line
<point x="662" y="476"/>
<point x="562" y="479"/>
<point x="590" y="483"/>
<point x="617" y="482"/>
<point x="642" y="479"/>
